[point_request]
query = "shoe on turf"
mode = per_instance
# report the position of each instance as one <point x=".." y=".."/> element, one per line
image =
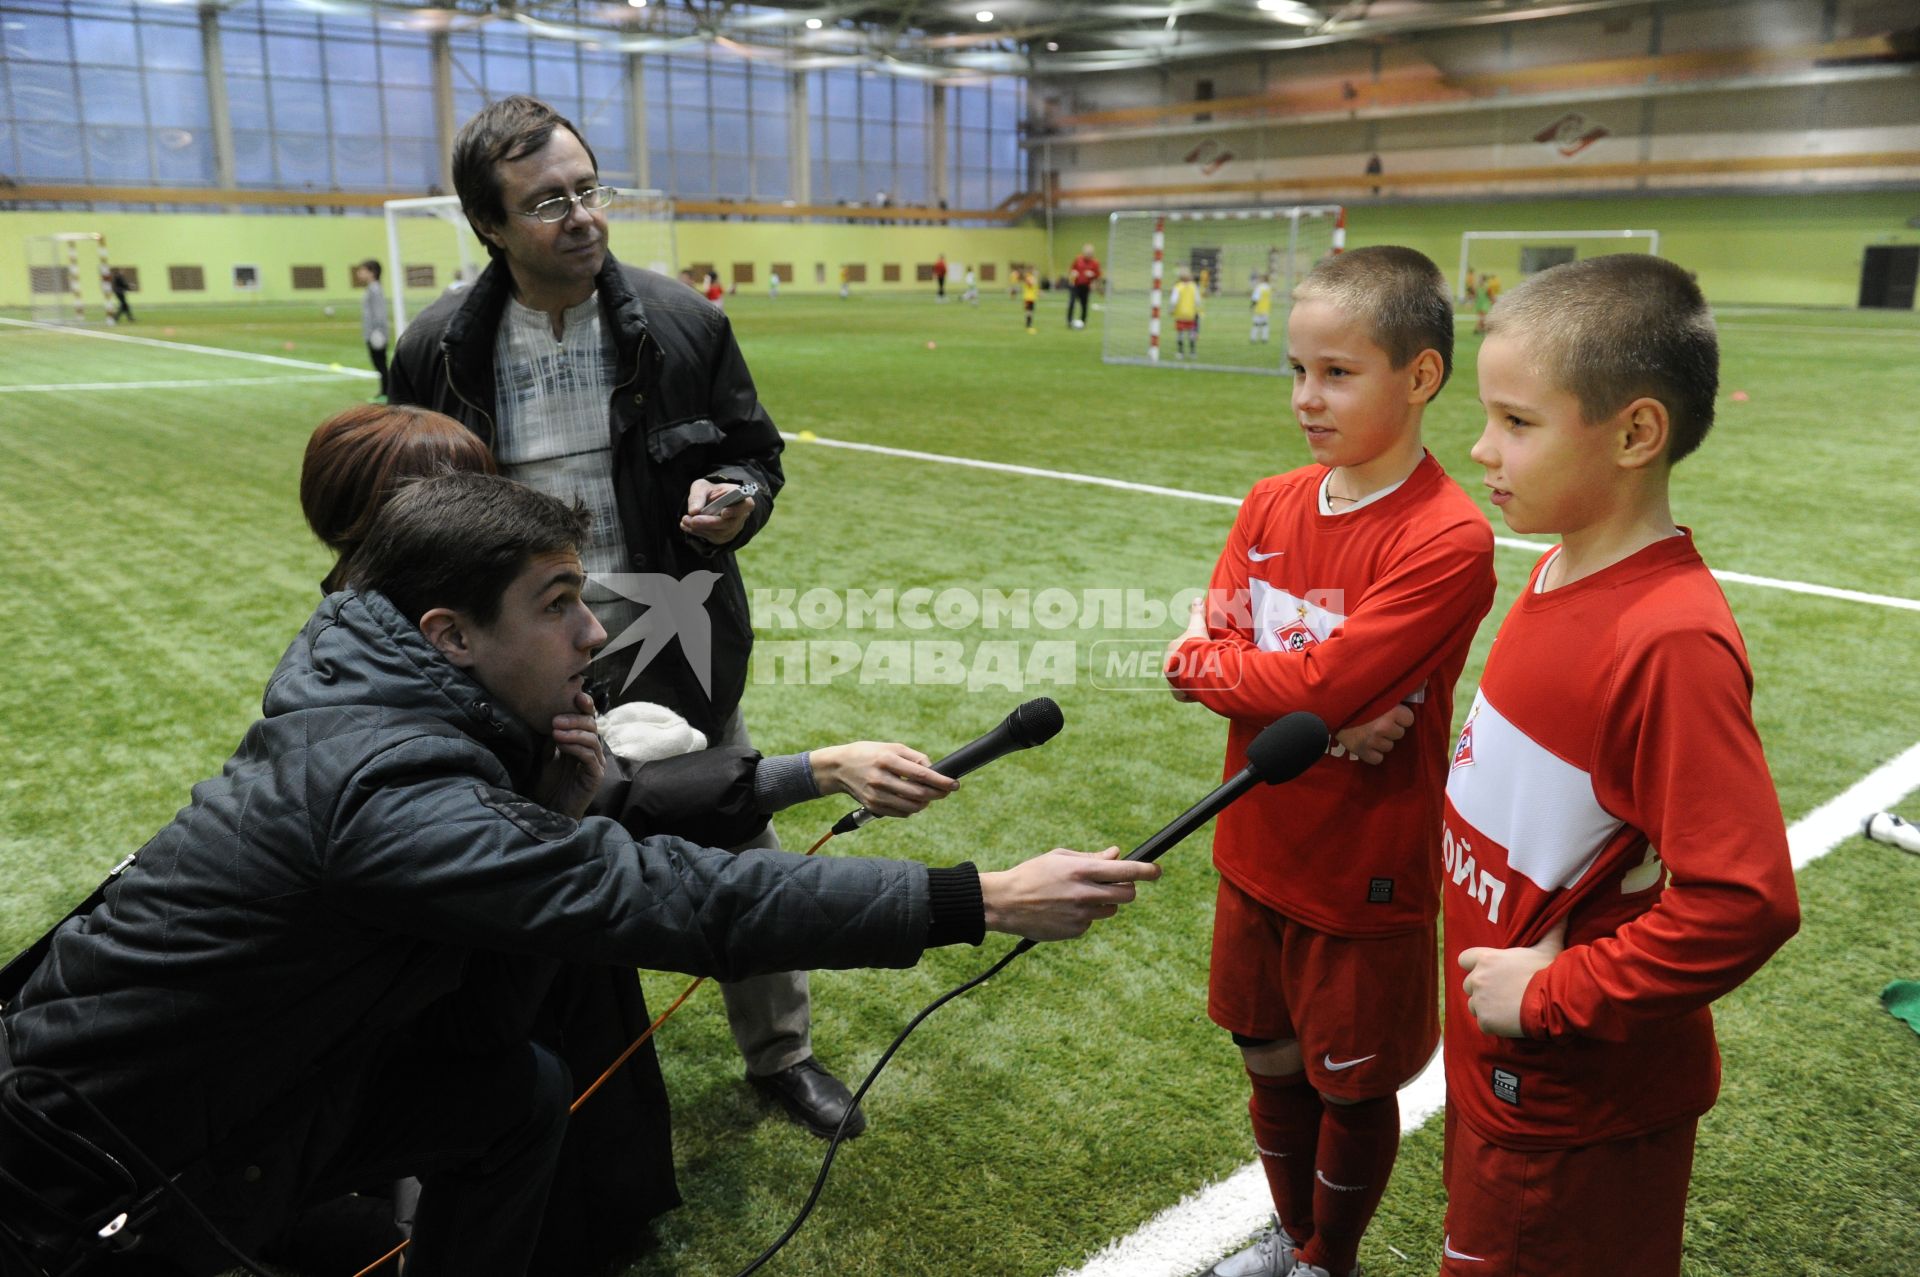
<point x="1272" y="1254"/>
<point x="813" y="1097"/>
<point x="1302" y="1268"/>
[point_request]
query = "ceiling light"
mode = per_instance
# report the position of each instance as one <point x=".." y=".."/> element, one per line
<point x="813" y="24"/>
<point x="638" y="4"/>
<point x="985" y="15"/>
<point x="1292" y="11"/>
<point x="1053" y="46"/>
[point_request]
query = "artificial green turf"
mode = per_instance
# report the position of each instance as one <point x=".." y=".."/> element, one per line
<point x="156" y="566"/>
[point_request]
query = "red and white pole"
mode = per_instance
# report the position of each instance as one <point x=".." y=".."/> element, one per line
<point x="1153" y="318"/>
<point x="73" y="282"/>
<point x="1340" y="231"/>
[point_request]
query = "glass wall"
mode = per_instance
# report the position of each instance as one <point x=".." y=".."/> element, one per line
<point x="323" y="98"/>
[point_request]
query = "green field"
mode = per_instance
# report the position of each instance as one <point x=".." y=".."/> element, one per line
<point x="157" y="566"/>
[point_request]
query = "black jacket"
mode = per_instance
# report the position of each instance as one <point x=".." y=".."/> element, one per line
<point x="683" y="408"/>
<point x="359" y="858"/>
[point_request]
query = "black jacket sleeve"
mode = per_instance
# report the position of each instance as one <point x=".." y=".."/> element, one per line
<point x="705" y="797"/>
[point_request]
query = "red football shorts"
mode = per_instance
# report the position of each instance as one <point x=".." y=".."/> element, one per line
<point x="1365" y="1012"/>
<point x="1186" y="325"/>
<point x="1596" y="1211"/>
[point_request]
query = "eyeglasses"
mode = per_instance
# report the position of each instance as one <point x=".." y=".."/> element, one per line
<point x="557" y="208"/>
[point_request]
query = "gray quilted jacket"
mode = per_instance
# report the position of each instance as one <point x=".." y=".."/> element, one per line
<point x="359" y="853"/>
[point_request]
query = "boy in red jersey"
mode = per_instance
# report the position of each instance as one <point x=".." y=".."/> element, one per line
<point x="1352" y="588"/>
<point x="1615" y="854"/>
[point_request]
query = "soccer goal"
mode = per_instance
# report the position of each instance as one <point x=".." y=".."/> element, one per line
<point x="431" y="249"/>
<point x="64" y="270"/>
<point x="1517" y="254"/>
<point x="1230" y="253"/>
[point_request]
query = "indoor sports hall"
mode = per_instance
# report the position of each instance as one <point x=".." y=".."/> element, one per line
<point x="991" y="496"/>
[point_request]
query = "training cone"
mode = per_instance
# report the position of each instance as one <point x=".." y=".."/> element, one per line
<point x="806" y="436"/>
<point x="166" y="332"/>
<point x="930" y="345"/>
<point x="335" y="368"/>
<point x="1740" y="396"/>
<point x="286" y="345"/>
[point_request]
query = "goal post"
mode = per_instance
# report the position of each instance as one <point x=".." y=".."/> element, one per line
<point x="64" y="269"/>
<point x="431" y="248"/>
<point x="1522" y="253"/>
<point x="1231" y="253"/>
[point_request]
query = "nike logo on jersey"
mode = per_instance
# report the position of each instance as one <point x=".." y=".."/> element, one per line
<point x="1447" y="1247"/>
<point x="1337" y="1066"/>
<point x="1257" y="557"/>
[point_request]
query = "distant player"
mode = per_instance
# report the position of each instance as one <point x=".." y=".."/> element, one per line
<point x="1029" y="293"/>
<point x="1615" y="850"/>
<point x="1489" y="292"/>
<point x="1186" y="316"/>
<point x="940" y="277"/>
<point x="1350" y="587"/>
<point x="714" y="292"/>
<point x="1262" y="304"/>
<point x="846" y="278"/>
<point x="1081" y="277"/>
<point x="972" y="295"/>
<point x="373" y="319"/>
<point x="773" y="285"/>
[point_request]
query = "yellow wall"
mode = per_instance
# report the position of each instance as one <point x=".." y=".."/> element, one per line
<point x="217" y="242"/>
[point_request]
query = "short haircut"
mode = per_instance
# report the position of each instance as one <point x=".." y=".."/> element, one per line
<point x="1398" y="292"/>
<point x="458" y="540"/>
<point x="1618" y="328"/>
<point x="510" y="129"/>
<point x="371" y="266"/>
<point x="357" y="459"/>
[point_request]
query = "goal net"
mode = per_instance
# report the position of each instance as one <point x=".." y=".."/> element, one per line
<point x="431" y="249"/>
<point x="69" y="281"/>
<point x="1513" y="255"/>
<point x="1229" y="253"/>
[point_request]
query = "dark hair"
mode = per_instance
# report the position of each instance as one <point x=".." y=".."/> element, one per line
<point x="510" y="129"/>
<point x="457" y="541"/>
<point x="1618" y="328"/>
<point x="357" y="459"/>
<point x="371" y="266"/>
<point x="1399" y="293"/>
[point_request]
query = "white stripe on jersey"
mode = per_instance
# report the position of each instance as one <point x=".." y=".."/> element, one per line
<point x="1276" y="610"/>
<point x="1527" y="799"/>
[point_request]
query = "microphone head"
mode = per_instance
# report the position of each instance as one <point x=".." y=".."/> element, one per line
<point x="1036" y="722"/>
<point x="1287" y="748"/>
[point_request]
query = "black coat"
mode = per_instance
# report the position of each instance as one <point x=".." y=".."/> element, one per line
<point x="366" y="855"/>
<point x="683" y="408"/>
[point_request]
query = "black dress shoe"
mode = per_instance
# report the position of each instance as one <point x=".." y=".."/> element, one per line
<point x="812" y="1097"/>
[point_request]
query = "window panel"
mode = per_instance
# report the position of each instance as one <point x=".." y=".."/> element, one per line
<point x="557" y="78"/>
<point x="910" y="183"/>
<point x="409" y="112"/>
<point x="252" y="157"/>
<point x="505" y="71"/>
<point x="769" y="138"/>
<point x="354" y="110"/>
<point x="182" y="157"/>
<point x="241" y="50"/>
<point x="108" y="98"/>
<point x="41" y="36"/>
<point x="730" y="177"/>
<point x="843" y="140"/>
<point x="770" y="180"/>
<point x="99" y="42"/>
<point x="169" y="48"/>
<point x="768" y="92"/>
<point x="359" y="161"/>
<point x="414" y="163"/>
<point x="51" y="152"/>
<point x="301" y="160"/>
<point x="176" y="98"/>
<point x="247" y="101"/>
<point x="687" y="86"/>
<point x="843" y="94"/>
<point x="910" y="102"/>
<point x="729" y="132"/>
<point x="352" y="62"/>
<point x="41" y="92"/>
<point x="404" y="62"/>
<point x="294" y="56"/>
<point x="118" y="155"/>
<point x="300" y="103"/>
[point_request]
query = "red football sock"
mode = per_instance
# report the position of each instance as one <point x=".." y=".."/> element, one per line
<point x="1358" y="1143"/>
<point x="1286" y="1131"/>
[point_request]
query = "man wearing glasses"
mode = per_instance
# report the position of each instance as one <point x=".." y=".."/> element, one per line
<point x="595" y="380"/>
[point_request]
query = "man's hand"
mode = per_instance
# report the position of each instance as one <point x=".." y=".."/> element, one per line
<point x="1496" y="982"/>
<point x="1372" y="742"/>
<point x="572" y="773"/>
<point x="1057" y="896"/>
<point x="1196" y="629"/>
<point x="885" y="777"/>
<point x="715" y="528"/>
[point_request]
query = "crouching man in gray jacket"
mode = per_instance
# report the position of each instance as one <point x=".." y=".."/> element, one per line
<point x="298" y="988"/>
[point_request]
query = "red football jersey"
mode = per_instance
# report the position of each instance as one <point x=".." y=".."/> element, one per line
<point x="1345" y="615"/>
<point x="1609" y="774"/>
<point x="1085" y="269"/>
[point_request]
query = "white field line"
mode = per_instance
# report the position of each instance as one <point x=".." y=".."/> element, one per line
<point x="279" y="360"/>
<point x="203" y="384"/>
<point x="1219" y="1218"/>
<point x="1511" y="543"/>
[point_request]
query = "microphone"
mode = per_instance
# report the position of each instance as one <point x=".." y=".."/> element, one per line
<point x="1278" y="754"/>
<point x="1034" y="723"/>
